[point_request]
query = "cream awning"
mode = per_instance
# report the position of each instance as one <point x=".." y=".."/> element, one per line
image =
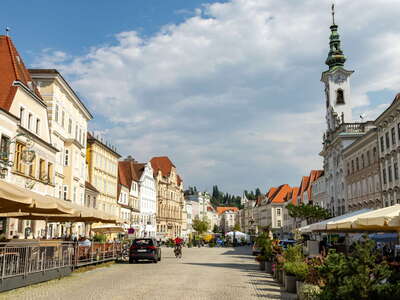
<point x="108" y="228"/>
<point x="388" y="217"/>
<point x="384" y="219"/>
<point x="17" y="199"/>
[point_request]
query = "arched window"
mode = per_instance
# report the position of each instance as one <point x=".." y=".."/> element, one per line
<point x="339" y="96"/>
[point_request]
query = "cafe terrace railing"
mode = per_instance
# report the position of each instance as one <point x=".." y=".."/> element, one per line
<point x="27" y="258"/>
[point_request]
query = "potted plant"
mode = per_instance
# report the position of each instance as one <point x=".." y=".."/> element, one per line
<point x="296" y="273"/>
<point x="290" y="276"/>
<point x="261" y="260"/>
<point x="280" y="260"/>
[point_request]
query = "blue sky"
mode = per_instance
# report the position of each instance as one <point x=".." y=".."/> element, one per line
<point x="74" y="26"/>
<point x="229" y="90"/>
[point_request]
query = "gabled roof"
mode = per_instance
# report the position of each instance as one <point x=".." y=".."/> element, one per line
<point x="314" y="175"/>
<point x="280" y="194"/>
<point x="163" y="164"/>
<point x="303" y="186"/>
<point x="295" y="193"/>
<point x="12" y="69"/>
<point x="271" y="192"/>
<point x="129" y="171"/>
<point x="222" y="209"/>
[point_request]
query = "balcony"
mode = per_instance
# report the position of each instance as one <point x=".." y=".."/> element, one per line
<point x="347" y="128"/>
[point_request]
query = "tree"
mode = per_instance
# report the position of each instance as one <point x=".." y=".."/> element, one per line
<point x="355" y="276"/>
<point x="236" y="227"/>
<point x="200" y="226"/>
<point x="308" y="212"/>
<point x="215" y="229"/>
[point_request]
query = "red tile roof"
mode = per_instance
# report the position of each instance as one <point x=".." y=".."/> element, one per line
<point x="303" y="186"/>
<point x="280" y="194"/>
<point x="314" y="175"/>
<point x="128" y="171"/>
<point x="295" y="193"/>
<point x="222" y="209"/>
<point x="271" y="192"/>
<point x="164" y="164"/>
<point x="12" y="69"/>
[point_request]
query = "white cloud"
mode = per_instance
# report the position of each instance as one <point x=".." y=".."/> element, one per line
<point x="232" y="94"/>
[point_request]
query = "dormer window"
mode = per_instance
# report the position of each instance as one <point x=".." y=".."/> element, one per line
<point x="339" y="96"/>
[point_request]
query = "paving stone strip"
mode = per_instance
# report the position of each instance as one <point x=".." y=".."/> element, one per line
<point x="202" y="273"/>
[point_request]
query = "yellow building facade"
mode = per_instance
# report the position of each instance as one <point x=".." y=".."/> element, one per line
<point x="102" y="163"/>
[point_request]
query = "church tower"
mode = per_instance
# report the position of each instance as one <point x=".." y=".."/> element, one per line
<point x="337" y="82"/>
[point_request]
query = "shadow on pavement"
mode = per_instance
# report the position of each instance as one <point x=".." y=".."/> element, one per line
<point x="226" y="265"/>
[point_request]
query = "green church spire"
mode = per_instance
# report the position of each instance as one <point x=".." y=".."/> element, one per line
<point x="336" y="57"/>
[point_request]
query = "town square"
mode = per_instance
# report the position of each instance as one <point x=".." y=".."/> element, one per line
<point x="200" y="149"/>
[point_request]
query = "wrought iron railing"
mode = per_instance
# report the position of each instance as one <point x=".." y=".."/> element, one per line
<point x="24" y="258"/>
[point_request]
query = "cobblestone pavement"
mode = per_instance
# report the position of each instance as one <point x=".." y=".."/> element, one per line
<point x="202" y="273"/>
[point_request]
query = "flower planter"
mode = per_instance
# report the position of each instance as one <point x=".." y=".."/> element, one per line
<point x="299" y="285"/>
<point x="290" y="283"/>
<point x="284" y="279"/>
<point x="262" y="265"/>
<point x="280" y="276"/>
<point x="268" y="267"/>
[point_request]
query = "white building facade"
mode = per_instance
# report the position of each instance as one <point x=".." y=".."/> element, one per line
<point x="147" y="202"/>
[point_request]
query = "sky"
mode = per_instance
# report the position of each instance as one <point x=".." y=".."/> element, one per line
<point x="229" y="90"/>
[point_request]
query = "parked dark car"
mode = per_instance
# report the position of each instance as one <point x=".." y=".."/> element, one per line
<point x="145" y="248"/>
<point x="285" y="243"/>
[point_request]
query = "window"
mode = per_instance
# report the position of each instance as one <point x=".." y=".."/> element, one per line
<point x="368" y="158"/>
<point x="42" y="169"/>
<point x="382" y="144"/>
<point x="74" y="194"/>
<point x="352" y="166"/>
<point x="384" y="176"/>
<point x="5" y="147"/>
<point x="339" y="96"/>
<point x="32" y="169"/>
<point x="279" y="223"/>
<point x="374" y="154"/>
<point x="398" y="130"/>
<point x="65" y="196"/>
<point x="21" y="115"/>
<point x="387" y="140"/>
<point x="66" y="157"/>
<point x="63" y="119"/>
<point x="393" y="133"/>
<point x="396" y="171"/>
<point x="50" y="172"/>
<point x="56" y="114"/>
<point x="278" y="212"/>
<point x="18" y="165"/>
<point x="357" y="164"/>
<point x="390" y="173"/>
<point x="37" y="126"/>
<point x="76" y="132"/>
<point x="30" y="121"/>
<point x="69" y="126"/>
<point x="362" y="161"/>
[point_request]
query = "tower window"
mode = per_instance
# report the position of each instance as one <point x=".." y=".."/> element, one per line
<point x="339" y="97"/>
